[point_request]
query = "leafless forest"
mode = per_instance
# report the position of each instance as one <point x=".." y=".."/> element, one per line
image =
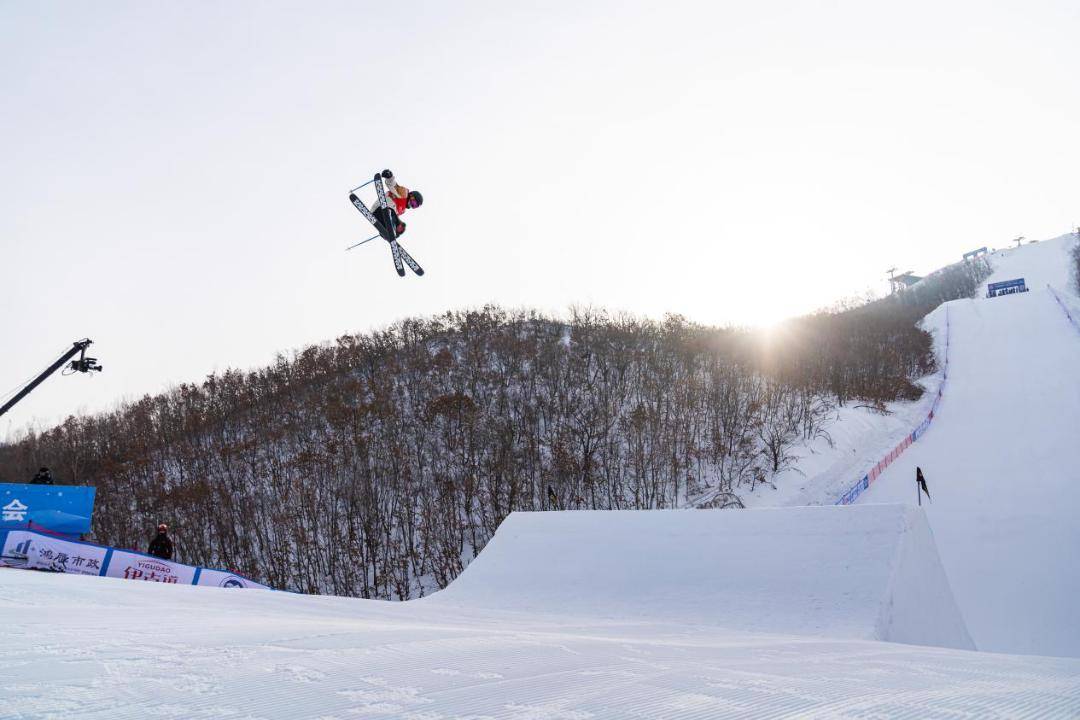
<point x="380" y="464"/>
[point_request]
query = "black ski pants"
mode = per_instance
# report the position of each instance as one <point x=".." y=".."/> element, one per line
<point x="381" y="215"/>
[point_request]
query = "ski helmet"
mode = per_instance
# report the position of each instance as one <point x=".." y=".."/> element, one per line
<point x="415" y="199"/>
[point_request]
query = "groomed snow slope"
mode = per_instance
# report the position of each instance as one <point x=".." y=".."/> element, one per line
<point x="1039" y="263"/>
<point x="103" y="649"/>
<point x="870" y="572"/>
<point x="1001" y="461"/>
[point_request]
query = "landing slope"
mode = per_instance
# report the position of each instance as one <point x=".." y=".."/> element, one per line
<point x="1001" y="462"/>
<point x="89" y="648"/>
<point x="868" y="572"/>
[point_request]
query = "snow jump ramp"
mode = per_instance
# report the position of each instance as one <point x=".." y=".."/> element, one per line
<point x="867" y="572"/>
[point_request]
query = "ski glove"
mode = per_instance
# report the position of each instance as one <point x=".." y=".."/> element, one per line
<point x="387" y="174"/>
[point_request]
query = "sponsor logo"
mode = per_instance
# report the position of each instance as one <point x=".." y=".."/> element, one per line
<point x="232" y="582"/>
<point x="150" y="566"/>
<point x="17" y="556"/>
<point x="14" y="511"/>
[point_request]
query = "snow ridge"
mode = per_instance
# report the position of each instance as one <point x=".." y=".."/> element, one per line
<point x="866" y="572"/>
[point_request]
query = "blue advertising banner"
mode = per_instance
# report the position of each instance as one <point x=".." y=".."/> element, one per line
<point x="62" y="509"/>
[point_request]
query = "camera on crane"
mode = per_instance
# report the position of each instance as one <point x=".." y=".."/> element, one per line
<point x="85" y="364"/>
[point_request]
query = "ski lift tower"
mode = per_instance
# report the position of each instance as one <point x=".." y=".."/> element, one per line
<point x="902" y="281"/>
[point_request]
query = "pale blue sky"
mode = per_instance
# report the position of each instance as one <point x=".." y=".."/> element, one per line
<point x="176" y="173"/>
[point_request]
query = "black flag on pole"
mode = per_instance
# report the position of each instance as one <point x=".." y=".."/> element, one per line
<point x="921" y="483"/>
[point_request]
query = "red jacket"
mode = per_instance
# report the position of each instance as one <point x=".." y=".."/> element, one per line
<point x="397" y="194"/>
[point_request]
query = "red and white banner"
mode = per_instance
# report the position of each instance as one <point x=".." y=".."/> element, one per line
<point x="33" y="550"/>
<point x="136" y="566"/>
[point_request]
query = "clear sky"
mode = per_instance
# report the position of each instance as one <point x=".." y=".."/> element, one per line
<point x="176" y="173"/>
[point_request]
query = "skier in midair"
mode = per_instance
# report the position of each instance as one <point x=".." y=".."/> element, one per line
<point x="393" y="200"/>
<point x="402" y="198"/>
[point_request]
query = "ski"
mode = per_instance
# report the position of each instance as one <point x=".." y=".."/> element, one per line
<point x="413" y="265"/>
<point x="380" y="188"/>
<point x="396" y="250"/>
<point x="391" y="231"/>
<point x="364" y="210"/>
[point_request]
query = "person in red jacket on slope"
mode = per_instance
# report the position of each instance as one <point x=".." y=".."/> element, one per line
<point x="400" y="199"/>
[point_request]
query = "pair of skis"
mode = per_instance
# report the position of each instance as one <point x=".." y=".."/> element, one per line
<point x="401" y="258"/>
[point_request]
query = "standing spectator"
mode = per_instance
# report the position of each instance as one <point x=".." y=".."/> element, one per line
<point x="161" y="545"/>
<point x="43" y="477"/>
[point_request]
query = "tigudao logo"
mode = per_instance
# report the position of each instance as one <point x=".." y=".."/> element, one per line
<point x="152" y="566"/>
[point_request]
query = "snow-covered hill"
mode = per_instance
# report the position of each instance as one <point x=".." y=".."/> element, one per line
<point x="680" y="614"/>
<point x="1001" y="460"/>
<point x="859" y="437"/>
<point x="1040" y="263"/>
<point x="1000" y="456"/>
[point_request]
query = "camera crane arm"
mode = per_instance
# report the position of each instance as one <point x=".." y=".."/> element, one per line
<point x="83" y="364"/>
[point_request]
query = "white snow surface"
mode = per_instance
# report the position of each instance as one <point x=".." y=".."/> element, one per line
<point x="870" y="572"/>
<point x="1039" y="263"/>
<point x="107" y="649"/>
<point x="1000" y="460"/>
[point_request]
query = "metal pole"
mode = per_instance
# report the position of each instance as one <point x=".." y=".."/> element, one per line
<point x="361" y="186"/>
<point x="362" y="242"/>
<point x="77" y="347"/>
